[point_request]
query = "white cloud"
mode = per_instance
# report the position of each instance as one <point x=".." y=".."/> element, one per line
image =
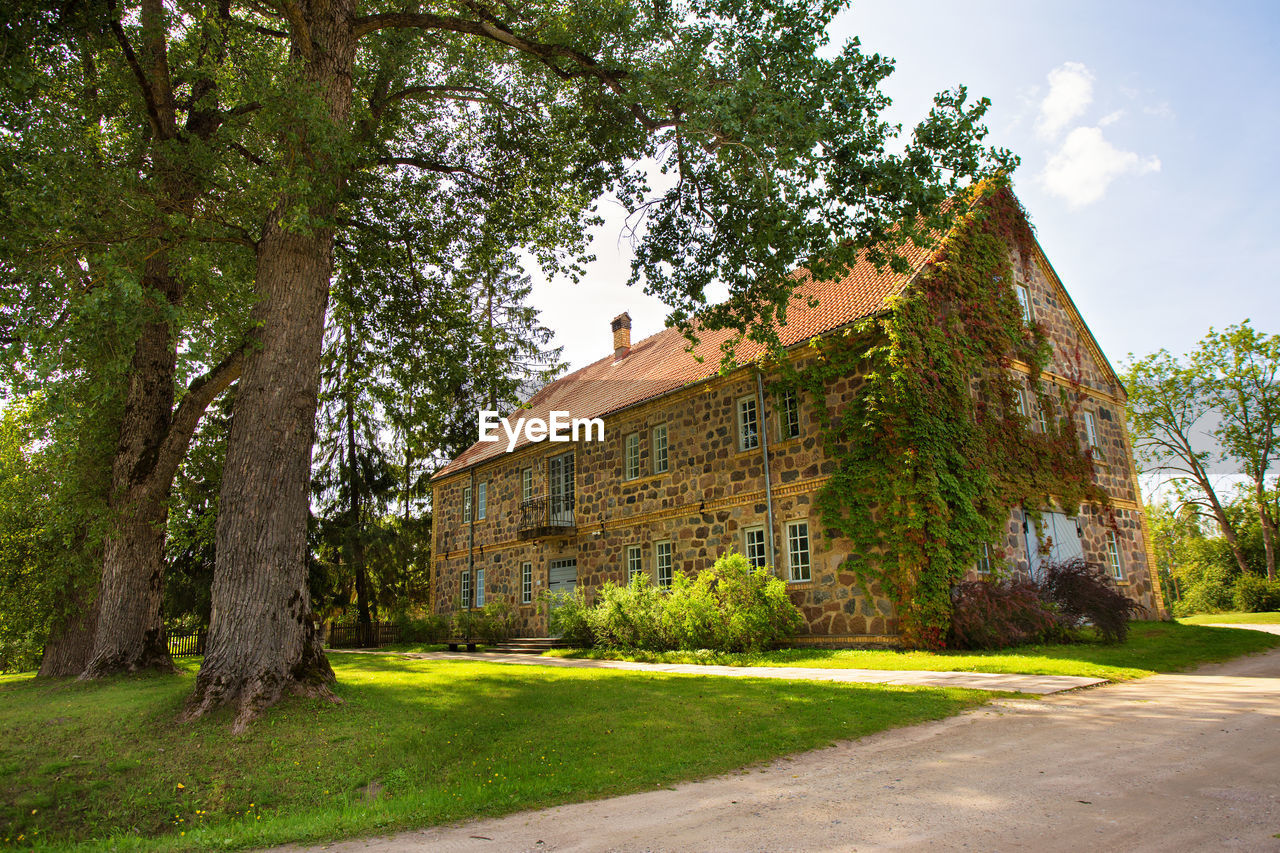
<point x="1086" y="164"/>
<point x="1110" y="118"/>
<point x="1070" y="93"/>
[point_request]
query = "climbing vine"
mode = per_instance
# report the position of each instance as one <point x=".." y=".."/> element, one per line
<point x="932" y="451"/>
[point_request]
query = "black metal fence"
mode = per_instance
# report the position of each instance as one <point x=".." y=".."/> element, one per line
<point x="187" y="645"/>
<point x="360" y="637"/>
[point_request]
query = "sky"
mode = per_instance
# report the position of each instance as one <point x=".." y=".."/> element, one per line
<point x="1148" y="134"/>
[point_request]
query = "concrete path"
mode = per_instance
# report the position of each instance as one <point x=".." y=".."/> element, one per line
<point x="1037" y="684"/>
<point x="1270" y="629"/>
<point x="1171" y="762"/>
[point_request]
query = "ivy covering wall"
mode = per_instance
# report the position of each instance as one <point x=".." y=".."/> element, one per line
<point x="933" y="452"/>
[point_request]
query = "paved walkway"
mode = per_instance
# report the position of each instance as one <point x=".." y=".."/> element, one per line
<point x="1270" y="629"/>
<point x="1171" y="762"/>
<point x="1037" y="684"/>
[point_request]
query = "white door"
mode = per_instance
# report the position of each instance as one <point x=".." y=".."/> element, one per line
<point x="562" y="575"/>
<point x="1061" y="541"/>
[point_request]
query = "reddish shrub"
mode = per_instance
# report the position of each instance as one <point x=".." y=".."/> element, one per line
<point x="1085" y="593"/>
<point x="999" y="614"/>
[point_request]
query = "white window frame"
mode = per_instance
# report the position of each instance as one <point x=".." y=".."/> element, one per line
<point x="663" y="549"/>
<point x="631" y="456"/>
<point x="799" y="570"/>
<point x="466" y="504"/>
<point x="1091" y="430"/>
<point x="763" y="544"/>
<point x="526" y="583"/>
<point x="526" y="484"/>
<point x="983" y="566"/>
<point x="789" y="415"/>
<point x="635" y="561"/>
<point x="1042" y="413"/>
<point x="661" y="449"/>
<point x="1113" y="556"/>
<point x="482" y="500"/>
<point x="479" y="587"/>
<point x="466" y="590"/>
<point x="1023" y="293"/>
<point x="748" y="440"/>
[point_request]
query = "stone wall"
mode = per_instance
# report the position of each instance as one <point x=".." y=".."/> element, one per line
<point x="712" y="492"/>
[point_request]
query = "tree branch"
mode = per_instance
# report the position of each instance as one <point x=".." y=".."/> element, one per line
<point x="432" y="166"/>
<point x="148" y="93"/>
<point x="200" y="393"/>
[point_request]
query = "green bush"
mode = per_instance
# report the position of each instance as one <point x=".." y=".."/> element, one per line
<point x="497" y="621"/>
<point x="729" y="607"/>
<point x="465" y="625"/>
<point x="1256" y="594"/>
<point x="630" y="617"/>
<point x="569" y="617"/>
<point x="421" y="628"/>
<point x="1210" y="592"/>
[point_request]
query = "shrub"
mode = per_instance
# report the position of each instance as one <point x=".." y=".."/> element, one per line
<point x="497" y="621"/>
<point x="421" y="628"/>
<point x="1256" y="594"/>
<point x="1211" y="592"/>
<point x="729" y="607"/>
<point x="569" y="617"/>
<point x="631" y="616"/>
<point x="1084" y="592"/>
<point x="996" y="614"/>
<point x="465" y="625"/>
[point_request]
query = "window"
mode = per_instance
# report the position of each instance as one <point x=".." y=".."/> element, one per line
<point x="1090" y="430"/>
<point x="526" y="484"/>
<point x="755" y="547"/>
<point x="482" y="500"/>
<point x="1042" y="414"/>
<point x="466" y="504"/>
<point x="748" y="424"/>
<point x="526" y="583"/>
<point x="466" y="590"/>
<point x="660" y="449"/>
<point x="789" y="415"/>
<point x="662" y="563"/>
<point x="984" y="561"/>
<point x="635" y="562"/>
<point x="1020" y="400"/>
<point x="479" y="587"/>
<point x="798" y="551"/>
<point x="631" y="456"/>
<point x="1113" y="555"/>
<point x="1024" y="299"/>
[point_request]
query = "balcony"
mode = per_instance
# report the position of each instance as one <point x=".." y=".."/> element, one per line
<point x="546" y="516"/>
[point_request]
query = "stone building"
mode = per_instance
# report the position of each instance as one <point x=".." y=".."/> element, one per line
<point x="694" y="463"/>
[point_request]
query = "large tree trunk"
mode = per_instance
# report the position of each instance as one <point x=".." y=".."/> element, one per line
<point x="262" y="641"/>
<point x="1268" y="531"/>
<point x="130" y="632"/>
<point x="70" y="643"/>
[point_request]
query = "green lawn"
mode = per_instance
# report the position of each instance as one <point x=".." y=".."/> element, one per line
<point x="415" y="743"/>
<point x="1237" y="618"/>
<point x="1152" y="647"/>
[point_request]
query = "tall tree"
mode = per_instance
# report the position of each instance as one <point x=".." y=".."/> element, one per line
<point x="1169" y="413"/>
<point x="1241" y="371"/>
<point x="120" y="148"/>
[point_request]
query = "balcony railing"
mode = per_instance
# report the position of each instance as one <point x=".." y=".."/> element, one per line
<point x="546" y="516"/>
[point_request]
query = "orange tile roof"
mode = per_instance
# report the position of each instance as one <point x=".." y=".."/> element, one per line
<point x="659" y="364"/>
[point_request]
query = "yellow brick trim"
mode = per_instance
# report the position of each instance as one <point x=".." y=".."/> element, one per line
<point x="1067" y="382"/>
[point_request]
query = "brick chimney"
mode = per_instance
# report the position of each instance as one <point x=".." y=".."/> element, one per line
<point x="621" y="335"/>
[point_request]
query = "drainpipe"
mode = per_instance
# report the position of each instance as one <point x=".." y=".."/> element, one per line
<point x="471" y="531"/>
<point x="764" y="454"/>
